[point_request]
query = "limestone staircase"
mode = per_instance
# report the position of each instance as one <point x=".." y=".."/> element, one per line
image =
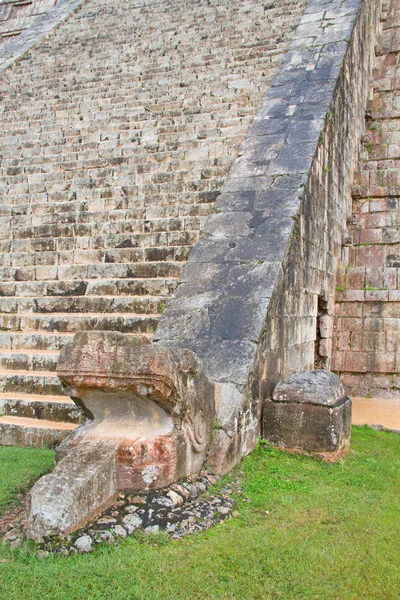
<point x="38" y="317"/>
<point x="114" y="143"/>
<point x="107" y="290"/>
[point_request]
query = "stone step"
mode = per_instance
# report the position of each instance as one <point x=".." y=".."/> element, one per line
<point x="68" y="323"/>
<point x="28" y="360"/>
<point x="35" y="406"/>
<point x="23" y="431"/>
<point x="84" y="304"/>
<point x="118" y="221"/>
<point x="104" y="235"/>
<point x="42" y="383"/>
<point x="140" y="269"/>
<point x="99" y="256"/>
<point x="40" y="340"/>
<point x="152" y="286"/>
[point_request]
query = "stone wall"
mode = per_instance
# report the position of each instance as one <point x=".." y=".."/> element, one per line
<point x="367" y="338"/>
<point x="256" y="299"/>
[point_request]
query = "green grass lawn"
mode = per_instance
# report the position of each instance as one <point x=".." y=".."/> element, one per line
<point x="18" y="468"/>
<point x="307" y="530"/>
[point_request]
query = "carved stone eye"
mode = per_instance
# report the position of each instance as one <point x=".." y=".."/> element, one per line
<point x="198" y="432"/>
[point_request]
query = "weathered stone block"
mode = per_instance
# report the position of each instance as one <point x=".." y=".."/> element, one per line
<point x="309" y="411"/>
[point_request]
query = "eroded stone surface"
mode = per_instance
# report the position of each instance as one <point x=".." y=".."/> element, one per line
<point x="322" y="388"/>
<point x="80" y="485"/>
<point x="309" y="411"/>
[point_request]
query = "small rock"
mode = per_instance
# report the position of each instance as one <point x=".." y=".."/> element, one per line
<point x="192" y="489"/>
<point x="163" y="501"/>
<point x="10" y="536"/>
<point x="212" y="479"/>
<point x="42" y="554"/>
<point x="153" y="529"/>
<point x="84" y="543"/>
<point x="106" y="521"/>
<point x="136" y="500"/>
<point x="176" y="498"/>
<point x="107" y="536"/>
<point x="131" y="508"/>
<point x="223" y="510"/>
<point x="131" y="522"/>
<point x="119" y="531"/>
<point x="185" y="493"/>
<point x="16" y="543"/>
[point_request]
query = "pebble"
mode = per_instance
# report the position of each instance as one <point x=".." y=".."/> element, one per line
<point x="84" y="543"/>
<point x="107" y="536"/>
<point x="131" y="508"/>
<point x="176" y="498"/>
<point x="131" y="522"/>
<point x="223" y="510"/>
<point x="106" y="521"/>
<point x="153" y="529"/>
<point x="119" y="531"/>
<point x="10" y="536"/>
<point x="163" y="501"/>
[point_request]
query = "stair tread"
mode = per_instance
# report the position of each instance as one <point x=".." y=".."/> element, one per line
<point x="37" y="423"/>
<point x="37" y="398"/>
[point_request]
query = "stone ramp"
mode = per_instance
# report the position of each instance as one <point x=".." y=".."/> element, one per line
<point x="115" y="143"/>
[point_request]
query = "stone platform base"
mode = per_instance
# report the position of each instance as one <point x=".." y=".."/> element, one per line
<point x="309" y="413"/>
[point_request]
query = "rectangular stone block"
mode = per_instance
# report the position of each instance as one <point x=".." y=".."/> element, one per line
<point x="309" y="411"/>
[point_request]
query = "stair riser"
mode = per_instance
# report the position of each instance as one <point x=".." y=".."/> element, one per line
<point x="56" y="260"/>
<point x="33" y="341"/>
<point x="130" y="287"/>
<point x="13" y="435"/>
<point x="121" y="245"/>
<point x="76" y="323"/>
<point x="138" y="270"/>
<point x="30" y="384"/>
<point x="26" y="362"/>
<point x="84" y="304"/>
<point x="48" y="411"/>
